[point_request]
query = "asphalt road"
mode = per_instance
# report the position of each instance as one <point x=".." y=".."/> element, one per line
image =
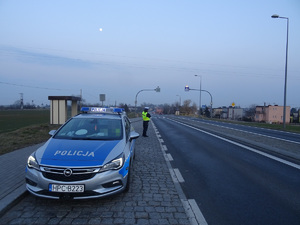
<point x="230" y="183"/>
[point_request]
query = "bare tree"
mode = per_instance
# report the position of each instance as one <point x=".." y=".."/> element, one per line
<point x="250" y="113"/>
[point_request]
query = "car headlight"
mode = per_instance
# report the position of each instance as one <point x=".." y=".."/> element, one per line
<point x="115" y="164"/>
<point x="32" y="163"/>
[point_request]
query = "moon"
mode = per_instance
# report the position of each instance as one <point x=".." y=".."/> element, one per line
<point x="100" y="29"/>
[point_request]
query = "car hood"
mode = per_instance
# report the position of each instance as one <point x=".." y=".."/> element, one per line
<point x="73" y="153"/>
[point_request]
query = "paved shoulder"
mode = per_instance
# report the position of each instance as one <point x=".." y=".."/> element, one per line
<point x="12" y="173"/>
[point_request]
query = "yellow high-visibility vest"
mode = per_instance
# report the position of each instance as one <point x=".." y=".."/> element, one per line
<point x="145" y="118"/>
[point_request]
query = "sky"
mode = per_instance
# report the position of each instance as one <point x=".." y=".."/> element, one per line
<point x="118" y="48"/>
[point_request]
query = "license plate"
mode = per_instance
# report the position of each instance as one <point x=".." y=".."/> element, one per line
<point x="69" y="188"/>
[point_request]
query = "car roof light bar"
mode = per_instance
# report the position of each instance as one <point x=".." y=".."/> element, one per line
<point x="101" y="110"/>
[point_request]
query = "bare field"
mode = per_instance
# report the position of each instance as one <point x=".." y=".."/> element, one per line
<point x="11" y="120"/>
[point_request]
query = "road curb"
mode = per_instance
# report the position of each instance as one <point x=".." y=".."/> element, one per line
<point x="12" y="199"/>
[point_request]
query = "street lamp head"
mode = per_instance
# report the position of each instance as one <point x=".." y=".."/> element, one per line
<point x="281" y="17"/>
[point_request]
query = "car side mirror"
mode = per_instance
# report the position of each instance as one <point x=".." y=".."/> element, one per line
<point x="52" y="132"/>
<point x="133" y="135"/>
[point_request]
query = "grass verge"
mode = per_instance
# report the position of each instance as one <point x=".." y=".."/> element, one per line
<point x="25" y="137"/>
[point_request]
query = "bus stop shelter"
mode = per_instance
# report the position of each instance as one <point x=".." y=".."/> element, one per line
<point x="59" y="108"/>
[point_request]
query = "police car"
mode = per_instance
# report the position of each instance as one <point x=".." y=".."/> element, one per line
<point x="90" y="156"/>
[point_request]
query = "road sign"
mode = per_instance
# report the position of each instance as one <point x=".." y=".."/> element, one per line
<point x="102" y="97"/>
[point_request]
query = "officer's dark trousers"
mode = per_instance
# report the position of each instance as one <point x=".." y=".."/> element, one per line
<point x="145" y="127"/>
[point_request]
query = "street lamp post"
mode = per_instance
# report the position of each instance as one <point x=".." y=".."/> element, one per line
<point x="200" y="95"/>
<point x="211" y="102"/>
<point x="179" y="99"/>
<point x="286" y="61"/>
<point x="187" y="88"/>
<point x="156" y="89"/>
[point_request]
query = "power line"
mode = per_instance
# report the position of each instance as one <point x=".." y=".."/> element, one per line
<point x="29" y="86"/>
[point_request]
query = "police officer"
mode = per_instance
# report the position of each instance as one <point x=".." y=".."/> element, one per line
<point x="146" y="119"/>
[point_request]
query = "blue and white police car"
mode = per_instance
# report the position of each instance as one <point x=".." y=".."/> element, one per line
<point x="90" y="156"/>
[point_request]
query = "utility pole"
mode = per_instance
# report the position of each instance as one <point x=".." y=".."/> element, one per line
<point x="80" y="98"/>
<point x="21" y="101"/>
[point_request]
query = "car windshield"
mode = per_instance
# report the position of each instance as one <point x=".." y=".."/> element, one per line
<point x="91" y="129"/>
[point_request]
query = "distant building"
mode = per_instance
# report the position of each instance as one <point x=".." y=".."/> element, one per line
<point x="235" y="113"/>
<point x="159" y="111"/>
<point x="217" y="112"/>
<point x="271" y="114"/>
<point x="231" y="113"/>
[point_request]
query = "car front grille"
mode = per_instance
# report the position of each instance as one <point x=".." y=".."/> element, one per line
<point x="69" y="174"/>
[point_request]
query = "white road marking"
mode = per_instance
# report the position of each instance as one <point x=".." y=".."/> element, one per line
<point x="174" y="178"/>
<point x="169" y="157"/>
<point x="178" y="176"/>
<point x="194" y="213"/>
<point x="249" y="132"/>
<point x="164" y="147"/>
